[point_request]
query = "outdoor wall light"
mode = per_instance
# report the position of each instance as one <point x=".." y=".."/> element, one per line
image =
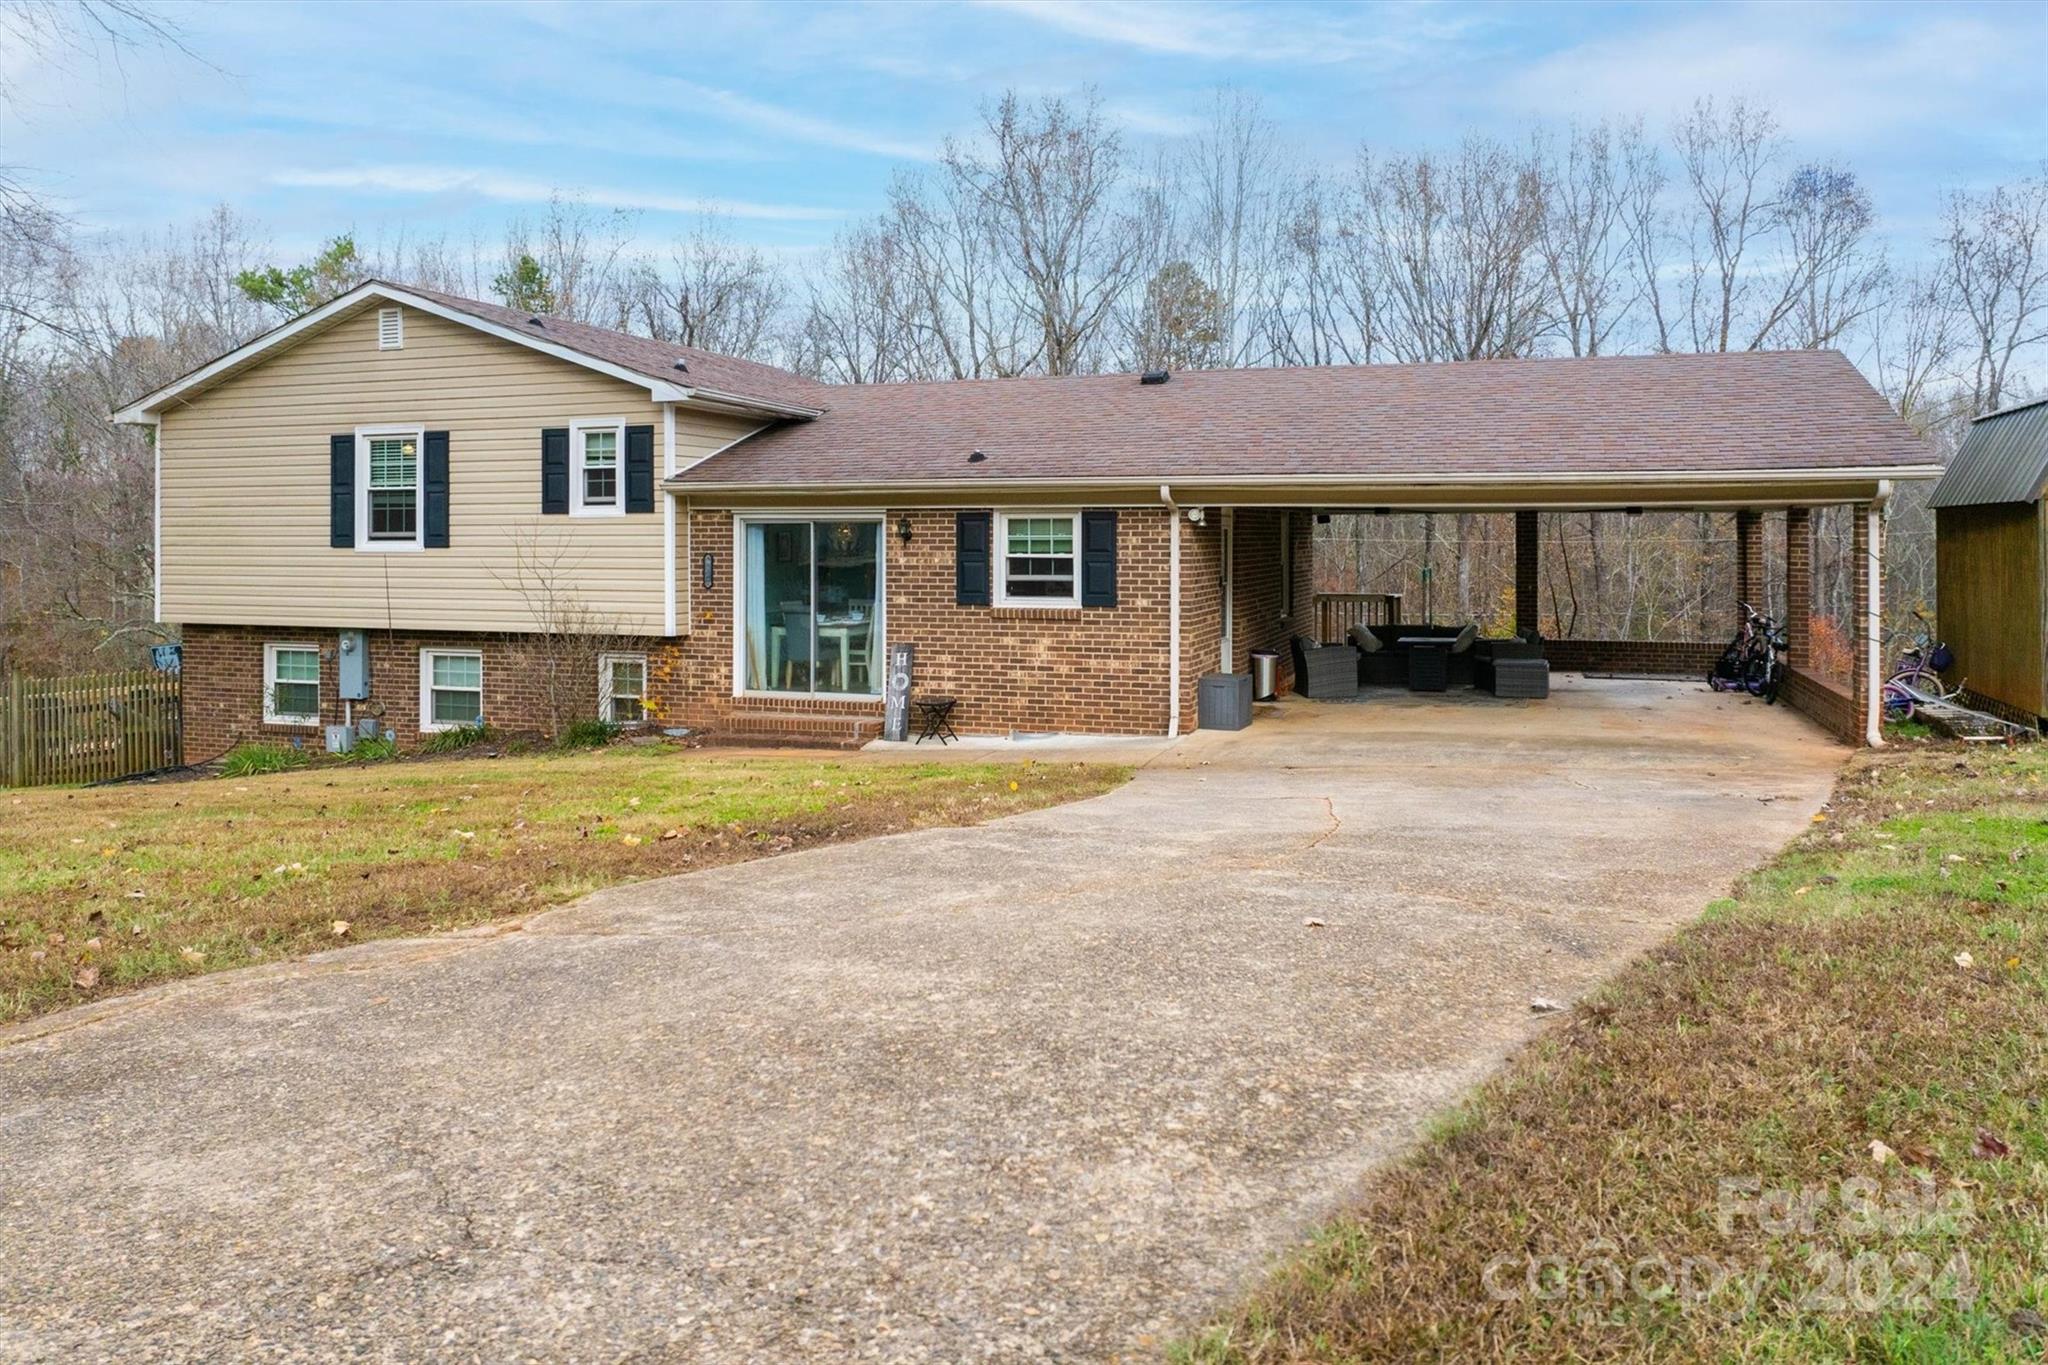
<point x="903" y="529"/>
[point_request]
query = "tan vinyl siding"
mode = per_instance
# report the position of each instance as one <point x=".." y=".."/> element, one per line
<point x="245" y="487"/>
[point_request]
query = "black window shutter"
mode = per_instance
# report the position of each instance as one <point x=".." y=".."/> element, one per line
<point x="554" y="471"/>
<point x="1098" y="558"/>
<point x="341" y="491"/>
<point x="639" y="469"/>
<point x="971" y="534"/>
<point x="434" y="488"/>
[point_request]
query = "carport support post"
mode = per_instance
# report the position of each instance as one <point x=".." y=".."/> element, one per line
<point x="1749" y="562"/>
<point x="1799" y="585"/>
<point x="1528" y="564"/>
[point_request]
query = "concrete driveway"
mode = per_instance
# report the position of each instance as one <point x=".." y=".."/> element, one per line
<point x="1053" y="1087"/>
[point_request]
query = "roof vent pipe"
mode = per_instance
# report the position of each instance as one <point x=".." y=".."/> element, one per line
<point x="683" y="365"/>
<point x="1154" y="377"/>
<point x="975" y="457"/>
<point x="535" y="321"/>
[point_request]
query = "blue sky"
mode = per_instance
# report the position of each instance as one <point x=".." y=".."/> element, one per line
<point x="790" y="118"/>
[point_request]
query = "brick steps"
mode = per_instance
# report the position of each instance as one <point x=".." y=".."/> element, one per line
<point x="811" y="730"/>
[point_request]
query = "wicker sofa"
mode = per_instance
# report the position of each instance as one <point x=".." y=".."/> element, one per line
<point x="1387" y="666"/>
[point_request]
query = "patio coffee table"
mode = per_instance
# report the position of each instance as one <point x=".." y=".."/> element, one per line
<point x="1429" y="662"/>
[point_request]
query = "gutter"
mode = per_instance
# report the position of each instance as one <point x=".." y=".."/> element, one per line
<point x="1172" y="613"/>
<point x="1592" y="479"/>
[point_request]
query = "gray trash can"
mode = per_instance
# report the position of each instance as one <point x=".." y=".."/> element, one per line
<point x="1223" y="701"/>
<point x="1265" y="674"/>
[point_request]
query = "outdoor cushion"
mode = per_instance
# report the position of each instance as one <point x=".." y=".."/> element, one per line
<point x="1465" y="639"/>
<point x="1366" y="640"/>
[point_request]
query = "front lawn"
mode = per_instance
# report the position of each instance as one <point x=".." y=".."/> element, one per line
<point x="107" y="889"/>
<point x="1809" y="1128"/>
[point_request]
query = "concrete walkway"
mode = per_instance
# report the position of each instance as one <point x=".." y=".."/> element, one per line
<point x="1053" y="1087"/>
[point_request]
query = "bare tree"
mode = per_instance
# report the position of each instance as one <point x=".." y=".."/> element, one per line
<point x="1454" y="243"/>
<point x="1047" y="180"/>
<point x="714" y="294"/>
<point x="1587" y="232"/>
<point x="567" y="638"/>
<point x="580" y="252"/>
<point x="1996" y="262"/>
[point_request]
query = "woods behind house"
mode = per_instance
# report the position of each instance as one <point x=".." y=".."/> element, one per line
<point x="1044" y="242"/>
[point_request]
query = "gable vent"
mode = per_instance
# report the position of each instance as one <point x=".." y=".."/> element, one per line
<point x="390" y="329"/>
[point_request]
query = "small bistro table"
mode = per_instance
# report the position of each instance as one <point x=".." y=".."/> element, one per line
<point x="934" y="718"/>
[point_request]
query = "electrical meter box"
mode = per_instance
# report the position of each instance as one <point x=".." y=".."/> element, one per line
<point x="352" y="665"/>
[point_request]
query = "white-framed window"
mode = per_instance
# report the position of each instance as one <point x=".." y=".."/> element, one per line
<point x="388" y="492"/>
<point x="451" y="689"/>
<point x="1037" y="567"/>
<point x="390" y="329"/>
<point x="622" y="688"/>
<point x="597" y="468"/>
<point x="291" y="684"/>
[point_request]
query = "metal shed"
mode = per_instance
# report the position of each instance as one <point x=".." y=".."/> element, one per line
<point x="1991" y="558"/>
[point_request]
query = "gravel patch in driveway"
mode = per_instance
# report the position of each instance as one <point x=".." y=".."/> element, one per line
<point x="1046" y="1088"/>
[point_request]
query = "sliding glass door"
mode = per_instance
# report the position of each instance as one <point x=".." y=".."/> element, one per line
<point x="810" y="600"/>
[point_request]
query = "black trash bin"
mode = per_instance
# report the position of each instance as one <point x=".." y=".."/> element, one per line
<point x="1223" y="701"/>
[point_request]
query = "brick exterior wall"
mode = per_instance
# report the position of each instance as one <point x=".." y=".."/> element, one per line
<point x="1799" y="585"/>
<point x="1268" y="607"/>
<point x="1823" y="702"/>
<point x="1081" y="670"/>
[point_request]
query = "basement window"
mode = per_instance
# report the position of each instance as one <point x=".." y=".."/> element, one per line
<point x="451" y="689"/>
<point x="291" y="685"/>
<point x="622" y="688"/>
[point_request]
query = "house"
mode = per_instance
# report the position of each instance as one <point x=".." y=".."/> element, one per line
<point x="1991" y="561"/>
<point x="455" y="479"/>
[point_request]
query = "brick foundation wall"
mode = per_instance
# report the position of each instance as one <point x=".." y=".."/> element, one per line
<point x="1677" y="658"/>
<point x="223" y="683"/>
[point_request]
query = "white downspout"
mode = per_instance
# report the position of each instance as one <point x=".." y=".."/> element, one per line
<point x="1873" y="571"/>
<point x="668" y="521"/>
<point x="1172" y="613"/>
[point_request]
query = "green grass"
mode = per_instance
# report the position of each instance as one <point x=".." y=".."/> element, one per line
<point x="1884" y="980"/>
<point x="103" y="889"/>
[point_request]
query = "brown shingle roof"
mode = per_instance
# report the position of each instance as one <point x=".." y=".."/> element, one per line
<point x="707" y="370"/>
<point x="1715" y="414"/>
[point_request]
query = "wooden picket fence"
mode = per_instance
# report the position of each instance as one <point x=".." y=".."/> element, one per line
<point x="87" y="728"/>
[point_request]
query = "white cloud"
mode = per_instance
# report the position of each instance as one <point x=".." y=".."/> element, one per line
<point x="522" y="190"/>
<point x="1236" y="33"/>
<point x="1829" y="74"/>
<point x="787" y="123"/>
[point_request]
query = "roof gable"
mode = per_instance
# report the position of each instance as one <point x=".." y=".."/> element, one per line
<point x="670" y="374"/>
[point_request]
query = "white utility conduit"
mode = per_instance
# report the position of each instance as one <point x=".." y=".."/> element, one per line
<point x="1172" y="613"/>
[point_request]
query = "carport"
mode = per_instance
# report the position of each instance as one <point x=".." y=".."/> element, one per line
<point x="1759" y="449"/>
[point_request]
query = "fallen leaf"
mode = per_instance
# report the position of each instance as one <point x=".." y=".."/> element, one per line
<point x="1880" y="1153"/>
<point x="1543" y="1004"/>
<point x="629" y="839"/>
<point x="1313" y="923"/>
<point x="2027" y="1323"/>
<point x="632" y="800"/>
<point x="1989" y="1146"/>
<point x="1965" y="960"/>
<point x="465" y="834"/>
<point x="1013" y="786"/>
<point x="340" y="927"/>
<point x="1917" y="1154"/>
<point x="671" y="834"/>
<point x="191" y="954"/>
<point x="87" y="978"/>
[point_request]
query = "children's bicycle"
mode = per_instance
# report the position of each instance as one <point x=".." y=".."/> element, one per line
<point x="1917" y="676"/>
<point x="1754" y="659"/>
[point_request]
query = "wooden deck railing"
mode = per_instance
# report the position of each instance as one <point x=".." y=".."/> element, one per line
<point x="1338" y="612"/>
<point x="87" y="728"/>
